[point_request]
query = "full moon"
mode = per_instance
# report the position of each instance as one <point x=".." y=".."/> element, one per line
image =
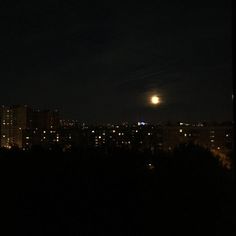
<point x="155" y="100"/>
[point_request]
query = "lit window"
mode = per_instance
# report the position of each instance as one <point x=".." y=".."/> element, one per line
<point x="27" y="137"/>
<point x="44" y="132"/>
<point x="185" y="135"/>
<point x="149" y="134"/>
<point x="99" y="137"/>
<point x="113" y="131"/>
<point x="212" y="140"/>
<point x="93" y="131"/>
<point x="180" y="130"/>
<point x="226" y="135"/>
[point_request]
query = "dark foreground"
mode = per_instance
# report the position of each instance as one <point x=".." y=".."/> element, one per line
<point x="122" y="193"/>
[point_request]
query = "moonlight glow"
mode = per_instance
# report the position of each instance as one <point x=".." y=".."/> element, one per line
<point x="155" y="100"/>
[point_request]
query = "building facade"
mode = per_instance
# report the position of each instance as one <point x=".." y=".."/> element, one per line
<point x="13" y="119"/>
<point x="17" y="120"/>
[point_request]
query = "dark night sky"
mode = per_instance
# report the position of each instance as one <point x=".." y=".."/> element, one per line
<point x="98" y="63"/>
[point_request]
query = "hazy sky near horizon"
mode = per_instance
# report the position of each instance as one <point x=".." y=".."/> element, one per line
<point x="100" y="63"/>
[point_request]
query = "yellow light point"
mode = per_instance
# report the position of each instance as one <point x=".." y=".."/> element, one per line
<point x="155" y="100"/>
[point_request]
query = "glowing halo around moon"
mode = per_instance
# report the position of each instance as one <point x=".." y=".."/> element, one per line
<point x="155" y="100"/>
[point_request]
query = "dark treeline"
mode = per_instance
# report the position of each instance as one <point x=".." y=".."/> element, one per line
<point x="120" y="192"/>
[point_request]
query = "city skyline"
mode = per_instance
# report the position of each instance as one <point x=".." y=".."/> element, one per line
<point x="23" y="127"/>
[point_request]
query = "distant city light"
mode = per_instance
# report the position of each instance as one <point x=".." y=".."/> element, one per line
<point x="141" y="123"/>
